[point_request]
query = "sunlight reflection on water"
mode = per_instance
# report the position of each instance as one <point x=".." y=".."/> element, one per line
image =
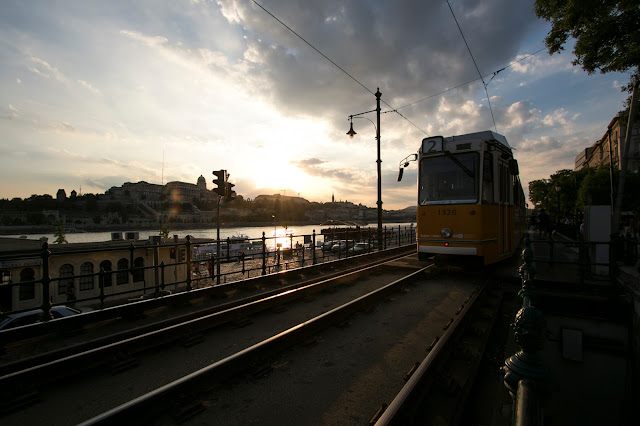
<point x="210" y="233"/>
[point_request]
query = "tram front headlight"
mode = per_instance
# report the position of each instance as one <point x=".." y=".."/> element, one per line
<point x="445" y="232"/>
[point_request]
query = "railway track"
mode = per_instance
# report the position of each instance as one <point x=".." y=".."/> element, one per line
<point x="39" y="343"/>
<point x="196" y="368"/>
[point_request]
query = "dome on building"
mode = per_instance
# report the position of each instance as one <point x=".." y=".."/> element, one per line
<point x="202" y="183"/>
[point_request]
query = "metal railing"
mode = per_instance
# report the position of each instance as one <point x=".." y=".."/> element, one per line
<point x="185" y="272"/>
<point x="524" y="372"/>
<point x="587" y="253"/>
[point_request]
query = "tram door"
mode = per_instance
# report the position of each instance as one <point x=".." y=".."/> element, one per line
<point x="504" y="238"/>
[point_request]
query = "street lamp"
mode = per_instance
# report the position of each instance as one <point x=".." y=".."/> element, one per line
<point x="558" y="206"/>
<point x="275" y="234"/>
<point x="351" y="134"/>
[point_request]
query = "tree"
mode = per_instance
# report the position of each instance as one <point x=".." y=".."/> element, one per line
<point x="606" y="32"/>
<point x="595" y="188"/>
<point x="60" y="234"/>
<point x="164" y="232"/>
<point x="539" y="193"/>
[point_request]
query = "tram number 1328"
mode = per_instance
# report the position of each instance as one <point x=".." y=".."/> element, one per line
<point x="446" y="212"/>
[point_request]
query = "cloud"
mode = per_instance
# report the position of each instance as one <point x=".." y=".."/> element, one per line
<point x="557" y="118"/>
<point x="43" y="69"/>
<point x="89" y="87"/>
<point x="150" y="41"/>
<point x="309" y="162"/>
<point x="223" y="84"/>
<point x="544" y="144"/>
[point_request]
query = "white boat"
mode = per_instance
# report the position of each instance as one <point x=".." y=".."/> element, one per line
<point x="230" y="249"/>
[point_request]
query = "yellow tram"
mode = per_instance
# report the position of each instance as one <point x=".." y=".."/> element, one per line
<point x="470" y="199"/>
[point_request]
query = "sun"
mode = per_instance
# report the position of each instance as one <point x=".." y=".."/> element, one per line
<point x="280" y="175"/>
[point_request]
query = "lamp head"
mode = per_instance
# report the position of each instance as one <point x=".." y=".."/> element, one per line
<point x="351" y="132"/>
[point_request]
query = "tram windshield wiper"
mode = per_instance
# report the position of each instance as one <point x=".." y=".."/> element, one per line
<point x="462" y="166"/>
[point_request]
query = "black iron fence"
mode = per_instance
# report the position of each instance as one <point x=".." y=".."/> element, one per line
<point x="525" y="372"/>
<point x="146" y="269"/>
<point x="590" y="259"/>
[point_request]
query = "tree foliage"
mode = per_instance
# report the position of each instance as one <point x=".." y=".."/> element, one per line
<point x="606" y="32"/>
<point x="60" y="234"/>
<point x="580" y="188"/>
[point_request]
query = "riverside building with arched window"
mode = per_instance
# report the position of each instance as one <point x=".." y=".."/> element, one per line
<point x="126" y="269"/>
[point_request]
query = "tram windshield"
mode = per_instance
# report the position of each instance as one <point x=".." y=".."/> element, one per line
<point x="449" y="179"/>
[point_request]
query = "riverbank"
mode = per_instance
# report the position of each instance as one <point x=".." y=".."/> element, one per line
<point x="49" y="229"/>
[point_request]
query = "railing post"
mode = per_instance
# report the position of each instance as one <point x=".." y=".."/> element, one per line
<point x="101" y="286"/>
<point x="131" y="249"/>
<point x="399" y="230"/>
<point x="385" y="237"/>
<point x="524" y="372"/>
<point x="162" y="283"/>
<point x="46" y="280"/>
<point x="616" y="252"/>
<point x="264" y="259"/>
<point x="313" y="244"/>
<point x="156" y="278"/>
<point x="188" y="259"/>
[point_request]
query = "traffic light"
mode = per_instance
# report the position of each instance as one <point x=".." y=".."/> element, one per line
<point x="230" y="194"/>
<point x="172" y="253"/>
<point x="219" y="181"/>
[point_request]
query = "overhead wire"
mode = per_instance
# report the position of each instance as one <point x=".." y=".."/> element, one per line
<point x="336" y="65"/>
<point x="481" y="77"/>
<point x="493" y="74"/>
<point x="476" y="65"/>
<point x="313" y="47"/>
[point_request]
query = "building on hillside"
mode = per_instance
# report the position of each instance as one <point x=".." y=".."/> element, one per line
<point x="61" y="195"/>
<point x="282" y="198"/>
<point x="609" y="149"/>
<point x="154" y="195"/>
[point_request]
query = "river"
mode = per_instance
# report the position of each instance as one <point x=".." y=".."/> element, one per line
<point x="249" y="231"/>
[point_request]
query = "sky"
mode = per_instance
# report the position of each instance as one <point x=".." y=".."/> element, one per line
<point x="94" y="94"/>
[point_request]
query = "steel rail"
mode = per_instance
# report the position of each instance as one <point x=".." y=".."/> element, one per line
<point x="73" y="323"/>
<point x="132" y="332"/>
<point x="426" y="370"/>
<point x="104" y="350"/>
<point x="140" y="330"/>
<point x="151" y="404"/>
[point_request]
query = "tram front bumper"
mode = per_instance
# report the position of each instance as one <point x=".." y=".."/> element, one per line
<point x="468" y="251"/>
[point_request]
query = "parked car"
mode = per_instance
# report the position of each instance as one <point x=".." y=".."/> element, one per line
<point x="34" y="316"/>
<point x="360" y="248"/>
<point x="339" y="246"/>
<point x="327" y="245"/>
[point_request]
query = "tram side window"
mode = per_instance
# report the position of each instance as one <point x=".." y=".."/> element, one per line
<point x="487" y="179"/>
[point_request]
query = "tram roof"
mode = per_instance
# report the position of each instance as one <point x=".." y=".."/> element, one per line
<point x="486" y="135"/>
